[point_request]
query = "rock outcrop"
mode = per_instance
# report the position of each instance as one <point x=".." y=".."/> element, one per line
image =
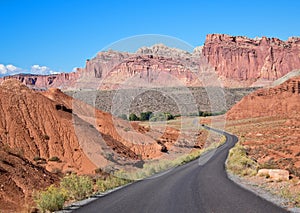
<point x="150" y="71"/>
<point x="42" y="82"/>
<point x="282" y="100"/>
<point x="41" y="129"/>
<point x="239" y="62"/>
<point x="243" y="59"/>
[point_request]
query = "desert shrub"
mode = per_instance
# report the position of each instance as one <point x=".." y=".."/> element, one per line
<point x="162" y="116"/>
<point x="169" y="116"/>
<point x="51" y="199"/>
<point x="294" y="170"/>
<point x="37" y="158"/>
<point x="164" y="149"/>
<point x="268" y="165"/>
<point x="239" y="163"/>
<point x="77" y="187"/>
<point x="205" y="114"/>
<point x="46" y="137"/>
<point x="54" y="158"/>
<point x="291" y="196"/>
<point x="153" y="167"/>
<point x="133" y="117"/>
<point x="127" y="129"/>
<point x="110" y="183"/>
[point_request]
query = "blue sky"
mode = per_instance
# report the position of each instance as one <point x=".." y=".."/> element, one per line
<point x="45" y="36"/>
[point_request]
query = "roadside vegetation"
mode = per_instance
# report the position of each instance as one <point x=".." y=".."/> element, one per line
<point x="73" y="187"/>
<point x="239" y="163"/>
<point x="156" y="166"/>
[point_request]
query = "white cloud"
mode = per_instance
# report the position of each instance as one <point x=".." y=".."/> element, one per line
<point x="3" y="69"/>
<point x="35" y="69"/>
<point x="9" y="69"/>
<point x="42" y="70"/>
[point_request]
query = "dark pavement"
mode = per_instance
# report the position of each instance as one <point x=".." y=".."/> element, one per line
<point x="199" y="186"/>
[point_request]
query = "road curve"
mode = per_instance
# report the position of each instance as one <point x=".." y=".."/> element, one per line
<point x="199" y="186"/>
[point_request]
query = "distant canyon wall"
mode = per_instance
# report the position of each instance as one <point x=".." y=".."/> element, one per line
<point x="241" y="58"/>
<point x="238" y="61"/>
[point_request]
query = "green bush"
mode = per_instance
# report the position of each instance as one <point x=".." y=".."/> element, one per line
<point x="37" y="158"/>
<point x="205" y="113"/>
<point x="145" y="116"/>
<point x="77" y="187"/>
<point x="162" y="116"/>
<point x="52" y="199"/>
<point x="133" y="117"/>
<point x="54" y="158"/>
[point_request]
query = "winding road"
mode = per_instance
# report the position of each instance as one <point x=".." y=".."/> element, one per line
<point x="199" y="186"/>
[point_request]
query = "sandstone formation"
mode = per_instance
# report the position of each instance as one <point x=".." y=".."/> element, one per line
<point x="150" y="71"/>
<point x="239" y="62"/>
<point x="279" y="101"/>
<point x="40" y="129"/>
<point x="243" y="59"/>
<point x="42" y="82"/>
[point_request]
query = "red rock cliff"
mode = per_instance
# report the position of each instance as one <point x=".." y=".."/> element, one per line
<point x="241" y="58"/>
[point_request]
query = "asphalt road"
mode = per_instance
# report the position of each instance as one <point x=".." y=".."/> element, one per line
<point x="199" y="186"/>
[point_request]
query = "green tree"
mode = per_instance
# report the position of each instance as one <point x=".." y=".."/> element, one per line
<point x="145" y="116"/>
<point x="133" y="117"/>
<point x="201" y="113"/>
<point x="169" y="116"/>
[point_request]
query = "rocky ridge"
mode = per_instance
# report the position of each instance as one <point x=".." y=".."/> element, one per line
<point x="243" y="59"/>
<point x="239" y="62"/>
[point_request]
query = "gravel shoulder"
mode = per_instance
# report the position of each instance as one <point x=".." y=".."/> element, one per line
<point x="269" y="195"/>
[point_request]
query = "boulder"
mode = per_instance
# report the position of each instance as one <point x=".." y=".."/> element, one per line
<point x="275" y="174"/>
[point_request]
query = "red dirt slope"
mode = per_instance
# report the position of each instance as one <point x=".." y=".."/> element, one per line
<point x="32" y="124"/>
<point x="18" y="179"/>
<point x="268" y="123"/>
<point x="280" y="101"/>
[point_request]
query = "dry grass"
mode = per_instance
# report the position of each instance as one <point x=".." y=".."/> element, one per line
<point x="239" y="163"/>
